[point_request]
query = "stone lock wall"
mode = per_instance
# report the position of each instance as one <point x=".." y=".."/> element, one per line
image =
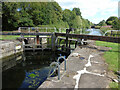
<point x="8" y="48"/>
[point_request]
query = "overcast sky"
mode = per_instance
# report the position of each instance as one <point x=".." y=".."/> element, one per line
<point x="94" y="10"/>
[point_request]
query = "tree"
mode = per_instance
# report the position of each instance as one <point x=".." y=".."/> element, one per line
<point x="119" y="23"/>
<point x="77" y="11"/>
<point x="0" y="9"/>
<point x="113" y="21"/>
<point x="68" y="16"/>
<point x="27" y="14"/>
<point x="102" y="23"/>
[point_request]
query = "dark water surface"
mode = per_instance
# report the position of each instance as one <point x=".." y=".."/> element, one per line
<point x="30" y="71"/>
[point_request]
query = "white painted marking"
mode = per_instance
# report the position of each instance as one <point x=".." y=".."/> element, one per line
<point x="23" y="42"/>
<point x="89" y="63"/>
<point x="75" y="54"/>
<point x="96" y="62"/>
<point x="18" y="47"/>
<point x="77" y="77"/>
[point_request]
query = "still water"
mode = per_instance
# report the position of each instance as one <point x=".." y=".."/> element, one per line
<point x="97" y="32"/>
<point x="30" y="71"/>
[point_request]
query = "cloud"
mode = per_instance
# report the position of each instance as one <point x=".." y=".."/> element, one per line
<point x="92" y="8"/>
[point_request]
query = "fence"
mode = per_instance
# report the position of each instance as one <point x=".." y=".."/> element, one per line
<point x="112" y="33"/>
<point x="49" y="29"/>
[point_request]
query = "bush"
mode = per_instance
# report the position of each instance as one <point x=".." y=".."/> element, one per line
<point x="104" y="29"/>
<point x="97" y="27"/>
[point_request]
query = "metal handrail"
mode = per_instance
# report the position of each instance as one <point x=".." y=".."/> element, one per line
<point x="57" y="65"/>
<point x="62" y="57"/>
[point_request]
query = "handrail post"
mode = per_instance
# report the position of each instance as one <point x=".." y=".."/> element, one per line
<point x="62" y="57"/>
<point x="58" y="72"/>
<point x="57" y="64"/>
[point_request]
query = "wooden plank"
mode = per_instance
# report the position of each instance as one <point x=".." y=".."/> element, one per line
<point x="69" y="39"/>
<point x="37" y="48"/>
<point x="32" y="44"/>
<point x="92" y="37"/>
<point x="65" y="47"/>
<point x="35" y="37"/>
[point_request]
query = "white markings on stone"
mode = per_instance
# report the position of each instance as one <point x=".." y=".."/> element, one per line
<point x="77" y="77"/>
<point x="95" y="62"/>
<point x="89" y="63"/>
<point x="18" y="47"/>
<point x="75" y="55"/>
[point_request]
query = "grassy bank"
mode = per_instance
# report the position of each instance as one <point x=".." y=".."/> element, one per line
<point x="12" y="37"/>
<point x="111" y="57"/>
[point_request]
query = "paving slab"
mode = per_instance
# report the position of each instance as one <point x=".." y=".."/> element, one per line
<point x="91" y="76"/>
<point x="92" y="81"/>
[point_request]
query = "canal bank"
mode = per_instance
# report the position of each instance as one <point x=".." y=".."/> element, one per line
<point x="10" y="48"/>
<point x="86" y="68"/>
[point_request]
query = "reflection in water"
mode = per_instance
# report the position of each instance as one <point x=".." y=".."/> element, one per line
<point x="94" y="32"/>
<point x="30" y="71"/>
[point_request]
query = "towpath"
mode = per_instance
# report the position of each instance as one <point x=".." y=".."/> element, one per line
<point x="86" y="68"/>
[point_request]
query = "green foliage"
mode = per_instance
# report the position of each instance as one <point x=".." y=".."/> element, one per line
<point x="28" y="14"/>
<point x="76" y="23"/>
<point x="119" y="24"/>
<point x="97" y="27"/>
<point x="102" y="23"/>
<point x="110" y="20"/>
<point x="0" y="15"/>
<point x="86" y="23"/>
<point x="113" y="21"/>
<point x="77" y="11"/>
<point x="104" y="29"/>
<point x="68" y="16"/>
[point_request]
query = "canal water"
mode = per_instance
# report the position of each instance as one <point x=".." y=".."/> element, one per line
<point x="28" y="70"/>
<point x="93" y="31"/>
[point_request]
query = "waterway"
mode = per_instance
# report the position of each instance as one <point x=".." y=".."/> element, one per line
<point x="93" y="31"/>
<point x="29" y="71"/>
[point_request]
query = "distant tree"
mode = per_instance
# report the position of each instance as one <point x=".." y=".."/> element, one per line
<point x="113" y="21"/>
<point x="77" y="11"/>
<point x="26" y="14"/>
<point x="102" y="23"/>
<point x="110" y="20"/>
<point x="10" y="16"/>
<point x="0" y="16"/>
<point x="119" y="23"/>
<point x="68" y="16"/>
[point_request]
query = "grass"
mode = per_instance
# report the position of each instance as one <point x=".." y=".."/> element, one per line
<point x="111" y="57"/>
<point x="11" y="37"/>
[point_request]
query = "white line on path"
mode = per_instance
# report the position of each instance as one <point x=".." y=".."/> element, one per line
<point x="77" y="77"/>
<point x="89" y="63"/>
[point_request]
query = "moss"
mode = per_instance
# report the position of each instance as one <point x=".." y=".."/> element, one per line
<point x="32" y="75"/>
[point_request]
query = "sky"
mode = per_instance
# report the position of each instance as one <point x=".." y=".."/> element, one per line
<point x="93" y="10"/>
